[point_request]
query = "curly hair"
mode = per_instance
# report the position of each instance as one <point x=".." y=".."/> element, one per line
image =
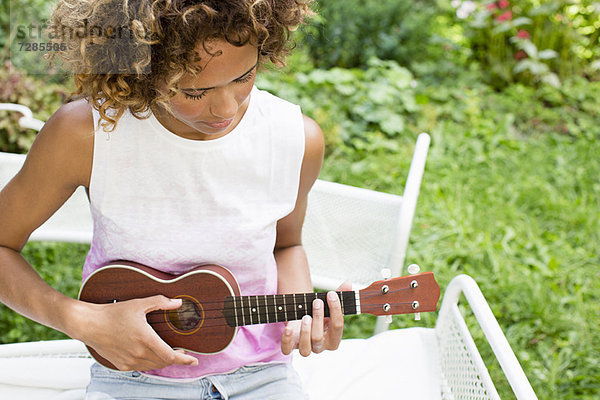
<point x="130" y="54"/>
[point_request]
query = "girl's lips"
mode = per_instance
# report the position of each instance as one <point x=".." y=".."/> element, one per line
<point x="219" y="125"/>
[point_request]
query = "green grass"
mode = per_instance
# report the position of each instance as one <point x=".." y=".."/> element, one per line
<point x="520" y="213"/>
<point x="522" y="218"/>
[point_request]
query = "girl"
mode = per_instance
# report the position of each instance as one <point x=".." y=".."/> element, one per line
<point x="185" y="162"/>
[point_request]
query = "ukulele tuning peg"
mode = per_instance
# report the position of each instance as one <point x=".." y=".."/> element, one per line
<point x="386" y="273"/>
<point x="413" y="269"/>
<point x="388" y="319"/>
<point x="417" y="316"/>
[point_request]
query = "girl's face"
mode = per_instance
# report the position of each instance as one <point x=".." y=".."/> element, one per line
<point x="212" y="103"/>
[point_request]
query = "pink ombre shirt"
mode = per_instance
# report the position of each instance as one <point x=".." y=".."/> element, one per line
<point x="173" y="203"/>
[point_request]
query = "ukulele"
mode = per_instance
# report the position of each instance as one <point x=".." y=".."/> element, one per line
<point x="212" y="308"/>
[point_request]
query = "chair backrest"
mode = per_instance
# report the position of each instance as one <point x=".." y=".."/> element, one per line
<point x="349" y="233"/>
<point x="353" y="234"/>
<point x="71" y="223"/>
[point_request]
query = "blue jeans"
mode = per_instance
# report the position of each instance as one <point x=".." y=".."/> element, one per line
<point x="273" y="381"/>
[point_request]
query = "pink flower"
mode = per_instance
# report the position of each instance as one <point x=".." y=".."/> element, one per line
<point x="519" y="55"/>
<point x="503" y="4"/>
<point x="505" y="16"/>
<point x="491" y="6"/>
<point x="523" y="34"/>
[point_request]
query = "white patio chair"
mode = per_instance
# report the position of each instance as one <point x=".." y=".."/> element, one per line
<point x="349" y="234"/>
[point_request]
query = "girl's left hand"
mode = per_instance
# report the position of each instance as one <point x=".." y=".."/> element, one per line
<point x="317" y="333"/>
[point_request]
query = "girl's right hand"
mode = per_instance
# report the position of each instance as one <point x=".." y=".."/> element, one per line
<point x="120" y="333"/>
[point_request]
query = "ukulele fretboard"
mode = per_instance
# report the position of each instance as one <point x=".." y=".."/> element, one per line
<point x="264" y="309"/>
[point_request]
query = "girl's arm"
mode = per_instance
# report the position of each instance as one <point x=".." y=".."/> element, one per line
<point x="59" y="161"/>
<point x="311" y="334"/>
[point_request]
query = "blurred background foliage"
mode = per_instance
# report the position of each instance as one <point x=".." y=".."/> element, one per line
<point x="508" y="91"/>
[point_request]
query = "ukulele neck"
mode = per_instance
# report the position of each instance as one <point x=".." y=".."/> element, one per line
<point x="250" y="310"/>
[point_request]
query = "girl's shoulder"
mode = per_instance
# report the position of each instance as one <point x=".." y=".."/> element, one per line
<point x="68" y="136"/>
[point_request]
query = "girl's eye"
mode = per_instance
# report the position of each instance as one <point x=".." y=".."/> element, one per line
<point x="245" y="78"/>
<point x="195" y="96"/>
<point x="201" y="95"/>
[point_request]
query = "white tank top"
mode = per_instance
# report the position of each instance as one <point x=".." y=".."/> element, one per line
<point x="172" y="203"/>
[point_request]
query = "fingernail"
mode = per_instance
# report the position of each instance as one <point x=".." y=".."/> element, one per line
<point x="306" y="320"/>
<point x="175" y="301"/>
<point x="287" y="332"/>
<point x="332" y="296"/>
<point x="317" y="304"/>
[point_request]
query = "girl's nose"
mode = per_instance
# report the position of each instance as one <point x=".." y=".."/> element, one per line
<point x="223" y="103"/>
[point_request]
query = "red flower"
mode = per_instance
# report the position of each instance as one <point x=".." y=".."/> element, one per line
<point x="519" y="55"/>
<point x="503" y="4"/>
<point x="523" y="34"/>
<point x="491" y="6"/>
<point x="505" y="16"/>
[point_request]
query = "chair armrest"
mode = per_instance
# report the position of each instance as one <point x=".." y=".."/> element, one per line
<point x="27" y="120"/>
<point x="491" y="329"/>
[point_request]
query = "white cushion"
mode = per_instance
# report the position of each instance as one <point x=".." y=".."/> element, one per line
<point x="397" y="364"/>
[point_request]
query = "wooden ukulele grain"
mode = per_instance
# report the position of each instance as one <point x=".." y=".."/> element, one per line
<point x="208" y="285"/>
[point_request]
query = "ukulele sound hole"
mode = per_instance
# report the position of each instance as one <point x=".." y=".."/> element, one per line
<point x="187" y="317"/>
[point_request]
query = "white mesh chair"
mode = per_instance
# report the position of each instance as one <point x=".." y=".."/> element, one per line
<point x="349" y="234"/>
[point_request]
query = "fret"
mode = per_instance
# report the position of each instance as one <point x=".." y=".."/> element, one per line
<point x="323" y="297"/>
<point x="255" y="311"/>
<point x="271" y="308"/>
<point x="237" y="322"/>
<point x="266" y="309"/>
<point x="238" y="311"/>
<point x="247" y="310"/>
<point x="260" y="307"/>
<point x="285" y="317"/>
<point x="305" y="308"/>
<point x="292" y="313"/>
<point x="280" y="302"/>
<point x="295" y="306"/>
<point x="341" y="296"/>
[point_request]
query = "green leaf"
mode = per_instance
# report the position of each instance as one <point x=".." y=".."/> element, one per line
<point x="551" y="79"/>
<point x="547" y="54"/>
<point x="530" y="48"/>
<point x="392" y="125"/>
<point x="520" y="21"/>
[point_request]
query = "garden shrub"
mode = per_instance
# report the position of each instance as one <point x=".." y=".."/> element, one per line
<point x="531" y="42"/>
<point x="41" y="97"/>
<point x="347" y="33"/>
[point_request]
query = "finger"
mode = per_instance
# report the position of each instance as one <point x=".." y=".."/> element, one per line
<point x="288" y="339"/>
<point x="345" y="286"/>
<point x="160" y="351"/>
<point x="336" y="321"/>
<point x="160" y="302"/>
<point x="317" y="326"/>
<point x="165" y="354"/>
<point x="305" y="344"/>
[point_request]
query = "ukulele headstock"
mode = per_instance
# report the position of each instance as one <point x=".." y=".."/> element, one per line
<point x="403" y="295"/>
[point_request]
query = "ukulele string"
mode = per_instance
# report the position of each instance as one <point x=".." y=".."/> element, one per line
<point x="247" y="303"/>
<point x="164" y="326"/>
<point x="251" y="301"/>
<point x="220" y="323"/>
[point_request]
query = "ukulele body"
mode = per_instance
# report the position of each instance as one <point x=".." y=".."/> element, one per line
<point x="198" y="326"/>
